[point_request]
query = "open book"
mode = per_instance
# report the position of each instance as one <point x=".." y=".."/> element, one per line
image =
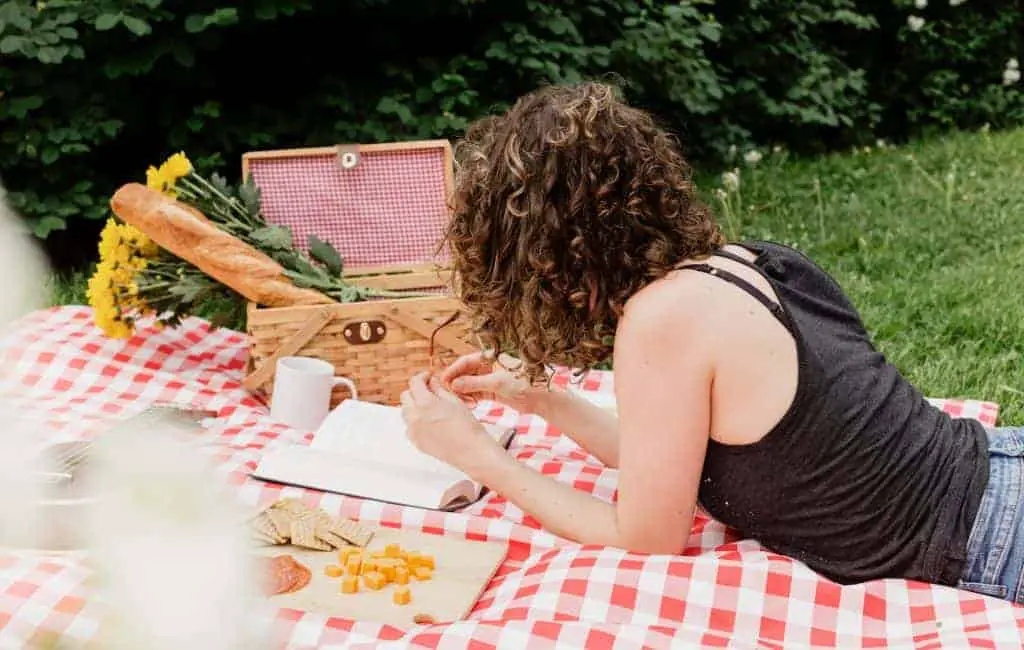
<point x="361" y="449"/>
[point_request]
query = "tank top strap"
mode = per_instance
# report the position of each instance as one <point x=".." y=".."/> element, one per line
<point x="736" y="258"/>
<point x="772" y="306"/>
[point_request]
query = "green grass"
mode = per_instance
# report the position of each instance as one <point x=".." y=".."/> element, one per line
<point x="934" y="264"/>
<point x="935" y="267"/>
<point x="67" y="289"/>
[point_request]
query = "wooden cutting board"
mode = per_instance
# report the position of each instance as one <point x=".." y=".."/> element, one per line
<point x="462" y="571"/>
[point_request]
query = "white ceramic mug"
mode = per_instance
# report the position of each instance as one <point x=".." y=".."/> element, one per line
<point x="302" y="391"/>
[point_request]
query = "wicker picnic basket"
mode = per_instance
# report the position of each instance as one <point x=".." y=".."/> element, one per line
<point x="383" y="207"/>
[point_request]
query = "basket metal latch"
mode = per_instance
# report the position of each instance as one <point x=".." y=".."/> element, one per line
<point x="365" y="332"/>
<point x="348" y="155"/>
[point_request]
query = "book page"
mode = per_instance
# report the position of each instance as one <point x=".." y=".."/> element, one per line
<point x="376" y="433"/>
<point x="332" y="472"/>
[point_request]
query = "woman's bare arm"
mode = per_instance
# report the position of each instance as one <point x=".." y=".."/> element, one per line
<point x="663" y="385"/>
<point x="590" y="426"/>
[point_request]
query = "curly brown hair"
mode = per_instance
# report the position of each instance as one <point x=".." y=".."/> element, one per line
<point x="564" y="207"/>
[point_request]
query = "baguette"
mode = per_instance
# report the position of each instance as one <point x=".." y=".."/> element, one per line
<point x="187" y="233"/>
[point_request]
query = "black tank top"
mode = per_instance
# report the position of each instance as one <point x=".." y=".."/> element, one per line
<point x="862" y="478"/>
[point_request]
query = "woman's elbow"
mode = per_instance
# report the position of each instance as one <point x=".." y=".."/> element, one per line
<point x="655" y="543"/>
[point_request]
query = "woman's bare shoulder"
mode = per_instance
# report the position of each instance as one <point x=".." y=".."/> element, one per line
<point x="680" y="294"/>
<point x="681" y="307"/>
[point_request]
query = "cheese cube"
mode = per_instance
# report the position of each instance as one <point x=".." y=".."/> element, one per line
<point x="388" y="571"/>
<point x="422" y="573"/>
<point x="427" y="561"/>
<point x="349" y="552"/>
<point x="401" y="575"/>
<point x="354" y="565"/>
<point x="369" y="566"/>
<point x="350" y="584"/>
<point x="334" y="571"/>
<point x="374" y="580"/>
<point x="402" y="596"/>
<point x="413" y="559"/>
<point x="393" y="550"/>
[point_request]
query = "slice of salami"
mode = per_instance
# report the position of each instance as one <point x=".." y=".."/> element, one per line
<point x="302" y="576"/>
<point x="283" y="575"/>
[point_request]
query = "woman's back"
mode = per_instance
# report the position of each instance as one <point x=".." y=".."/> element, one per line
<point x="862" y="477"/>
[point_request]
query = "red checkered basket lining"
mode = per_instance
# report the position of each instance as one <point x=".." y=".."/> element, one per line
<point x="389" y="209"/>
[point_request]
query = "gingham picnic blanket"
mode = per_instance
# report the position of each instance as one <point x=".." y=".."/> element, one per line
<point x="722" y="592"/>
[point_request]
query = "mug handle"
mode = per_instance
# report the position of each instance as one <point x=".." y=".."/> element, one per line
<point x="348" y="383"/>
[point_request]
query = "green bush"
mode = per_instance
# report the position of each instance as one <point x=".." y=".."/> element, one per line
<point x="96" y="91"/>
<point x="941" y="65"/>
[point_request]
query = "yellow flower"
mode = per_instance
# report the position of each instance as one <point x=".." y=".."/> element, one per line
<point x="112" y="248"/>
<point x="106" y="314"/>
<point x="142" y="245"/>
<point x="113" y="289"/>
<point x="172" y="169"/>
<point x="175" y="167"/>
<point x="155" y="179"/>
<point x="125" y="244"/>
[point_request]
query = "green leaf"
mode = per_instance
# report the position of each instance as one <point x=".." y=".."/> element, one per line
<point x="107" y="21"/>
<point x="326" y="254"/>
<point x="111" y="127"/>
<point x="184" y="55"/>
<point x="195" y="24"/>
<point x="296" y="266"/>
<point x="299" y="280"/>
<point x="387" y="104"/>
<point x="249" y="193"/>
<point x="20" y="106"/>
<point x="265" y="11"/>
<point x="220" y="184"/>
<point x="50" y="155"/>
<point x="10" y="44"/>
<point x="137" y="26"/>
<point x="186" y="290"/>
<point x="48" y="55"/>
<point x="46" y="225"/>
<point x="710" y="31"/>
<point x="273" y="237"/>
<point x="224" y="16"/>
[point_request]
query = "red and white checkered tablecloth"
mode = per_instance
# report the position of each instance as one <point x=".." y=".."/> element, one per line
<point x="722" y="592"/>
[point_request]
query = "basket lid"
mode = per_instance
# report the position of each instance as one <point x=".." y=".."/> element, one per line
<point x="378" y="204"/>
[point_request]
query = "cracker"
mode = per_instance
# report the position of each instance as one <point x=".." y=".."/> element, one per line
<point x="264" y="527"/>
<point x="304" y="534"/>
<point x="291" y="506"/>
<point x="259" y="537"/>
<point x="282" y="523"/>
<point x="352" y="532"/>
<point x="292" y="521"/>
<point x="335" y="541"/>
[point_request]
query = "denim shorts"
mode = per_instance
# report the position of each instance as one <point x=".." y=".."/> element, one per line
<point x="995" y="549"/>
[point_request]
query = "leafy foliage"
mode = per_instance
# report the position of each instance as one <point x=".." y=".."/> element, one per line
<point x="93" y="90"/>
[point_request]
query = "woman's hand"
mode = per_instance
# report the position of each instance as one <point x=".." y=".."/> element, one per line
<point x="440" y="425"/>
<point x="477" y="376"/>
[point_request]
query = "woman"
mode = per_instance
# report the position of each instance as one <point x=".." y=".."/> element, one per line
<point x="744" y="378"/>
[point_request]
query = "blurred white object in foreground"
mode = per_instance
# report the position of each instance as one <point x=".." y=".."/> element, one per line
<point x="24" y="286"/>
<point x="20" y="488"/>
<point x="173" y="564"/>
<point x="21" y="292"/>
